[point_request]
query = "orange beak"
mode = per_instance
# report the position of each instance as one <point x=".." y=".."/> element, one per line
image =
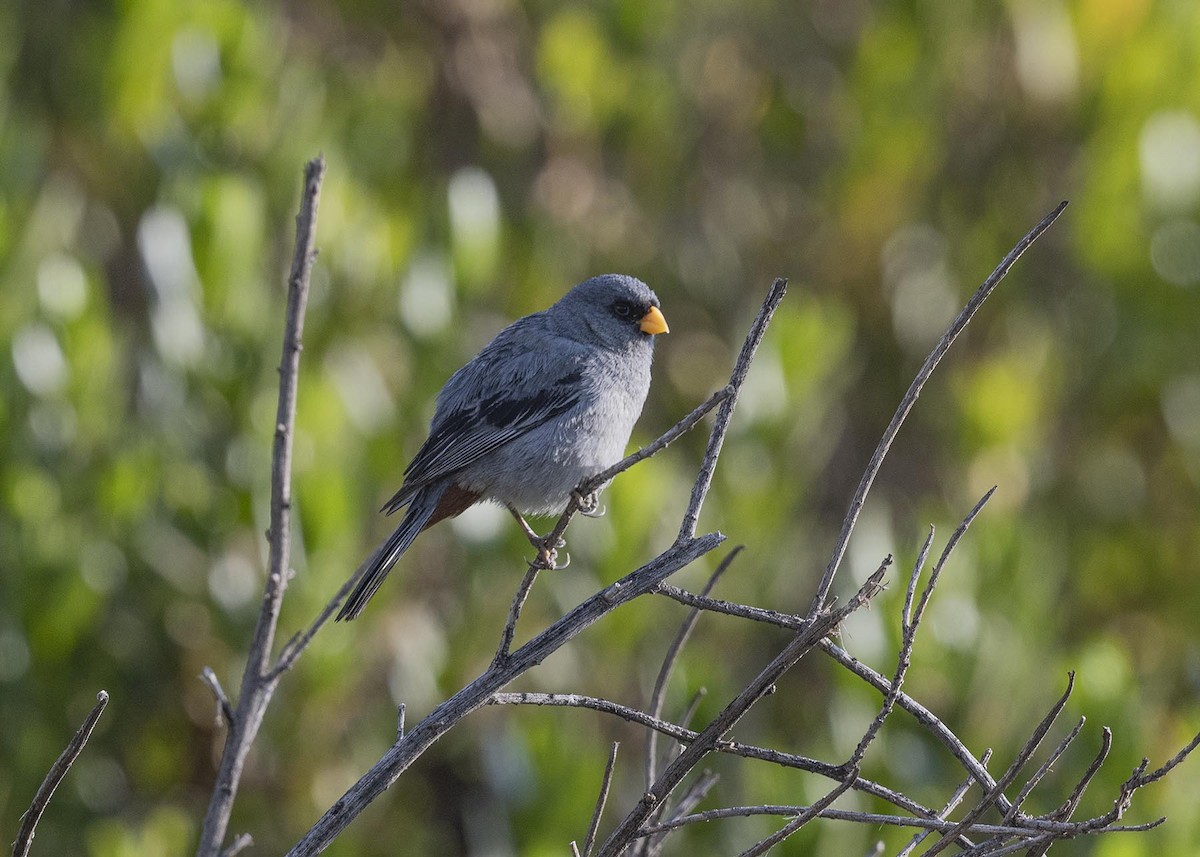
<point x="653" y="322"/>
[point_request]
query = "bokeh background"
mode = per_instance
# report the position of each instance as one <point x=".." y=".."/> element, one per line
<point x="484" y="155"/>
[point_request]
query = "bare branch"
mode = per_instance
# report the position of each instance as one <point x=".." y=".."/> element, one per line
<point x="1011" y="774"/>
<point x="695" y="793"/>
<point x="290" y="652"/>
<point x="1170" y="764"/>
<point x="1041" y="772"/>
<point x="933" y="825"/>
<point x="784" y="620"/>
<point x="693" y="706"/>
<point x="910" y="399"/>
<point x="922" y="714"/>
<point x="686" y="736"/>
<point x="224" y="709"/>
<point x="908" y="625"/>
<point x="590" y="841"/>
<point x="910" y="621"/>
<point x="56" y="774"/>
<point x="259" y="680"/>
<point x="951" y="805"/>
<point x="789" y="811"/>
<point x="736" y="709"/>
<point x="664" y="673"/>
<point x="687" y="529"/>
<point x="799" y="821"/>
<point x="729" y="608"/>
<point x="913" y="579"/>
<point x="514" y="614"/>
<point x="239" y="844"/>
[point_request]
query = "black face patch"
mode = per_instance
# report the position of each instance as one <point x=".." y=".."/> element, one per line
<point x="630" y="311"/>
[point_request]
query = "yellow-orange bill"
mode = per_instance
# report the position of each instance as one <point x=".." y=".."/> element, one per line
<point x="653" y="322"/>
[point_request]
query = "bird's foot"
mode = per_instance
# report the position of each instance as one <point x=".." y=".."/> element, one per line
<point x="547" y="554"/>
<point x="588" y="504"/>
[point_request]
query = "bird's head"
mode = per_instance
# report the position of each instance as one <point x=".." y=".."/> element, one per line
<point x="614" y="309"/>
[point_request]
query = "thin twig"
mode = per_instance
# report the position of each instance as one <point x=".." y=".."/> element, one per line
<point x="669" y="660"/>
<point x="690" y="799"/>
<point x="693" y="706"/>
<point x="1064" y="812"/>
<point x="994" y="849"/>
<point x="910" y="399"/>
<point x="686" y="736"/>
<point x="589" y="841"/>
<point x="765" y="845"/>
<point x="514" y="614"/>
<point x="910" y="621"/>
<point x="224" y="709"/>
<point x="923" y="715"/>
<point x="758" y="687"/>
<point x="908" y="636"/>
<point x="1018" y="763"/>
<point x="784" y="620"/>
<point x="239" y="844"/>
<point x="1159" y="773"/>
<point x="932" y="824"/>
<point x="290" y="652"/>
<point x="259" y="680"/>
<point x="687" y="529"/>
<point x="41" y="798"/>
<point x="944" y="812"/>
<point x="729" y="608"/>
<point x="1046" y="767"/>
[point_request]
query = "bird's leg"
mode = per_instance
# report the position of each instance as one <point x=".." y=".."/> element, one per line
<point x="533" y="537"/>
<point x="547" y="554"/>
<point x="588" y="504"/>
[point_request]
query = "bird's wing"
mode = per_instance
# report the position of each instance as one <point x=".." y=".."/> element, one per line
<point x="509" y="389"/>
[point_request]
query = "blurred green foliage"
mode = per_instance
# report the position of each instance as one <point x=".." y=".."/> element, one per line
<point x="482" y="158"/>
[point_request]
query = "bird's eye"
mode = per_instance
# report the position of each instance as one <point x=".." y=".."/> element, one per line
<point x="622" y="309"/>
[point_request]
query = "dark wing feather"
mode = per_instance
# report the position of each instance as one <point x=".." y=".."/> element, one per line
<point x="470" y="424"/>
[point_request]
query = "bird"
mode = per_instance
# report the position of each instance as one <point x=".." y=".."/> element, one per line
<point x="549" y="402"/>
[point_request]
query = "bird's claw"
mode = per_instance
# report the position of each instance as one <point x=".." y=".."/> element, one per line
<point x="588" y="504"/>
<point x="547" y="557"/>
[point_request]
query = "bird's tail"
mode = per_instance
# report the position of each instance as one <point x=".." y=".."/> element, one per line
<point x="375" y="569"/>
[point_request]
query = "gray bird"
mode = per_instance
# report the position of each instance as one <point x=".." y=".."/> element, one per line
<point x="549" y="402"/>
